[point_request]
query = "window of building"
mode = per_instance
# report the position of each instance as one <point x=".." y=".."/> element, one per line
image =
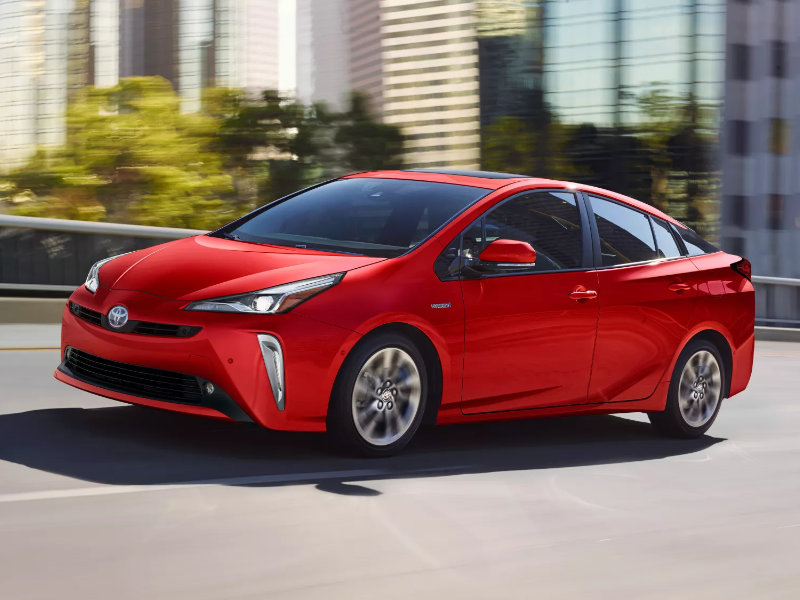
<point x="779" y="58"/>
<point x="775" y="214"/>
<point x="625" y="233"/>
<point x="737" y="210"/>
<point x="739" y="65"/>
<point x="739" y="132"/>
<point x="667" y="246"/>
<point x="779" y="136"/>
<point x="548" y="221"/>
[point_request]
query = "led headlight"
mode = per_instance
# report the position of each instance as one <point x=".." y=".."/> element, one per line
<point x="272" y="300"/>
<point x="93" y="278"/>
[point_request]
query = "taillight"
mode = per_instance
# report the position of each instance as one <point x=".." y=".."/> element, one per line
<point x="743" y="268"/>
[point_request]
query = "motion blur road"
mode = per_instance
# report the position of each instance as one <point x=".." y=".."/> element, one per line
<point x="104" y="500"/>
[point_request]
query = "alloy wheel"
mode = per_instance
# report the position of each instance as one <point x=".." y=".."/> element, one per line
<point x="386" y="396"/>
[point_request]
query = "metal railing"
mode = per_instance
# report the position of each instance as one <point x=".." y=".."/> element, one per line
<point x="40" y="256"/>
<point x="777" y="301"/>
<point x="53" y="255"/>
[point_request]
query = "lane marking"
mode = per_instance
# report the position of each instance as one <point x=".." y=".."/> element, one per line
<point x="286" y="478"/>
<point x="28" y="348"/>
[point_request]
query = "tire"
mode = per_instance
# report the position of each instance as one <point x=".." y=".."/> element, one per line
<point x="380" y="397"/>
<point x="696" y="391"/>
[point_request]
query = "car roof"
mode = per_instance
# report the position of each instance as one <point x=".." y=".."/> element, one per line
<point x="491" y="180"/>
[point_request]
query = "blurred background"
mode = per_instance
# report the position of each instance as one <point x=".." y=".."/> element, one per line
<point x="187" y="113"/>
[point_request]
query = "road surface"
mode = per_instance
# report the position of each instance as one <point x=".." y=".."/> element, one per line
<point x="104" y="500"/>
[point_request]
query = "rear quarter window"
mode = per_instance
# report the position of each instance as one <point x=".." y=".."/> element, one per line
<point x="695" y="245"/>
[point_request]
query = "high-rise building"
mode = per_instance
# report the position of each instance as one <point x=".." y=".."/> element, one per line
<point x="761" y="139"/>
<point x="431" y="79"/>
<point x="149" y="38"/>
<point x="365" y="51"/>
<point x="196" y="44"/>
<point x="33" y="76"/>
<point x="247" y="46"/>
<point x="510" y="60"/>
<point x="323" y="52"/>
<point x="50" y="49"/>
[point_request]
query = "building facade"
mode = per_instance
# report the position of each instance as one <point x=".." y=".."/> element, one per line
<point x="761" y="137"/>
<point x="51" y="49"/>
<point x="323" y="52"/>
<point x="431" y="80"/>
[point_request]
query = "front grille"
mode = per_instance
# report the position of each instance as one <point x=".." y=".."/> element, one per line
<point x="87" y="314"/>
<point x="140" y="327"/>
<point x="144" y="382"/>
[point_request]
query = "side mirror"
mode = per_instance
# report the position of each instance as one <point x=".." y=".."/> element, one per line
<point x="509" y="252"/>
<point x="501" y="256"/>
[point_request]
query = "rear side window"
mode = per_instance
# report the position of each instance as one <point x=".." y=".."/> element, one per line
<point x="548" y="221"/>
<point x="625" y="233"/>
<point x="695" y="245"/>
<point x="667" y="246"/>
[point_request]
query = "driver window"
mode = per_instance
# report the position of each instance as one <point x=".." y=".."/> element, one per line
<point x="548" y="221"/>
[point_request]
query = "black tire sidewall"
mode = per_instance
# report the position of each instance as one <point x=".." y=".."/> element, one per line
<point x="341" y="425"/>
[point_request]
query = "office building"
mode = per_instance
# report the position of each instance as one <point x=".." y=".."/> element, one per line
<point x="761" y="138"/>
<point x="323" y="52"/>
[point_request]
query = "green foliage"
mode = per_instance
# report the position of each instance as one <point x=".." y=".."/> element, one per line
<point x="131" y="156"/>
<point x="368" y="145"/>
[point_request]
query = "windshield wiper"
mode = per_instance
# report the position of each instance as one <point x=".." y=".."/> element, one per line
<point x="230" y="236"/>
<point x="319" y="249"/>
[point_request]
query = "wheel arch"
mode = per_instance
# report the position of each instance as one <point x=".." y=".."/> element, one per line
<point x="723" y="346"/>
<point x="429" y="353"/>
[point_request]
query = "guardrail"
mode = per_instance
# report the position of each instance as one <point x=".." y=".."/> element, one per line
<point x="51" y="256"/>
<point x="777" y="301"/>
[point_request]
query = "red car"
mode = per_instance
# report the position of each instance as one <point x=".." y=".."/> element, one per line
<point x="370" y="304"/>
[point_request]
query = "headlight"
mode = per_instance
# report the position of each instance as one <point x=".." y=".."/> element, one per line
<point x="278" y="299"/>
<point x="93" y="278"/>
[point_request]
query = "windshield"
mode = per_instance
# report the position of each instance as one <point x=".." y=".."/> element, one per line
<point x="372" y="217"/>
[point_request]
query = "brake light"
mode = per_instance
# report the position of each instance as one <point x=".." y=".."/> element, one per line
<point x="743" y="268"/>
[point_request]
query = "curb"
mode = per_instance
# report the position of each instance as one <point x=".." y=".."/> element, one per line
<point x="777" y="334"/>
<point x="31" y="310"/>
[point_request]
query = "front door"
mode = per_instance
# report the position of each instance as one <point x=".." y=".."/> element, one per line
<point x="529" y="334"/>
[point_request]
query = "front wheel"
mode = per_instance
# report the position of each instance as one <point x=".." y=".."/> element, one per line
<point x="380" y="397"/>
<point x="695" y="392"/>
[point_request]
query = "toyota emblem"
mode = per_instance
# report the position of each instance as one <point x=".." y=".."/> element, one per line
<point x="118" y="316"/>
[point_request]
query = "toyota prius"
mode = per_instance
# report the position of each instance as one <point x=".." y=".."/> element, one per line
<point x="371" y="304"/>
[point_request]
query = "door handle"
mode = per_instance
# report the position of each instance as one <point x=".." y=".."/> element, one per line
<point x="581" y="294"/>
<point x="679" y="287"/>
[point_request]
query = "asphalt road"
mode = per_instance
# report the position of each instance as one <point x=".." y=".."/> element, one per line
<point x="103" y="500"/>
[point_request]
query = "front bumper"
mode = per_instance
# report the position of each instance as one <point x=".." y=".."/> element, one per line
<point x="225" y="352"/>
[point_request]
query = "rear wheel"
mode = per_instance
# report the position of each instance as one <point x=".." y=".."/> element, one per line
<point x="380" y="397"/>
<point x="695" y="392"/>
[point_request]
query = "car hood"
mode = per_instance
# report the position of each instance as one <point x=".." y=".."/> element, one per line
<point x="202" y="267"/>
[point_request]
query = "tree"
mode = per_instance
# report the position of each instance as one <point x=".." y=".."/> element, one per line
<point x="130" y="156"/>
<point x="368" y="144"/>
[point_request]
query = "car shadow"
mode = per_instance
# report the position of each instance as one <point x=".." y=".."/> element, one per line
<point x="129" y="445"/>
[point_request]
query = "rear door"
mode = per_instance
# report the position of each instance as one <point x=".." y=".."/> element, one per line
<point x="647" y="290"/>
<point x="528" y="337"/>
